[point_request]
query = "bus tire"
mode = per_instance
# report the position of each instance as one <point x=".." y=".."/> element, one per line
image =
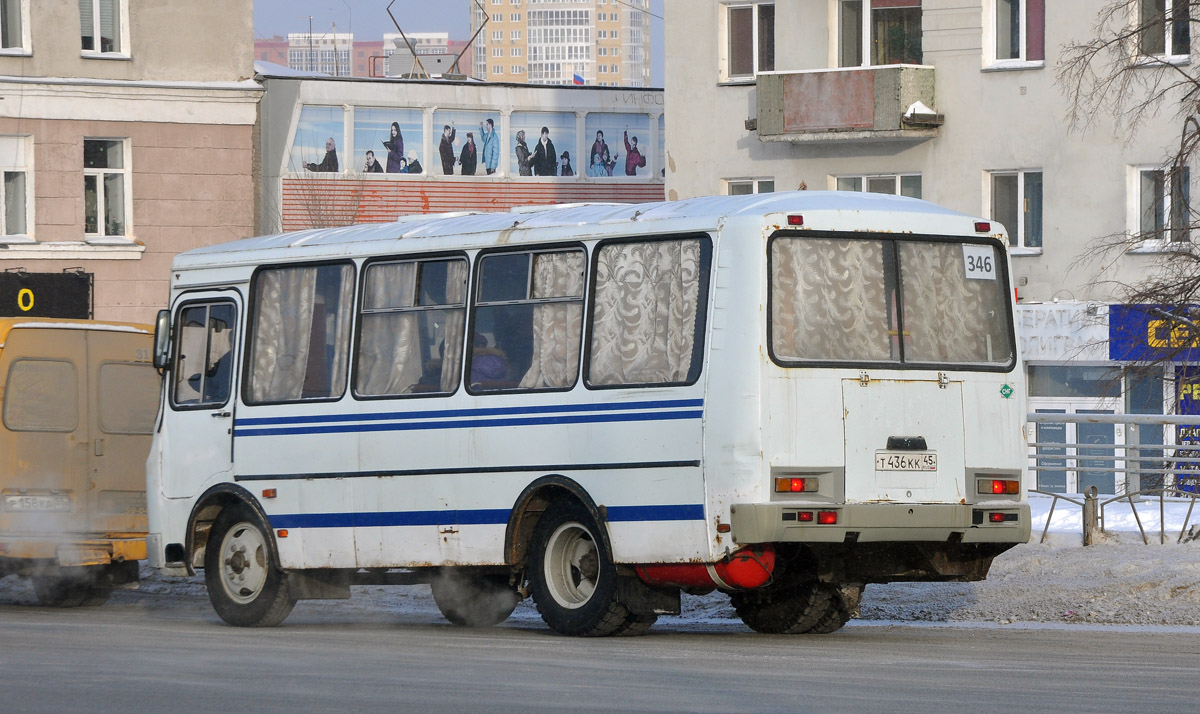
<point x="792" y="610"/>
<point x="572" y="577"/>
<point x="836" y="614"/>
<point x="637" y="623"/>
<point x="245" y="584"/>
<point x="474" y="600"/>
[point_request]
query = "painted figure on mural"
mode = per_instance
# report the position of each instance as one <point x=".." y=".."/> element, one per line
<point x="565" y="169"/>
<point x="372" y="166"/>
<point x="545" y="161"/>
<point x="446" y="148"/>
<point x="634" y="159"/>
<point x="596" y="168"/>
<point x="598" y="146"/>
<point x="490" y="150"/>
<point x="414" y="166"/>
<point x="330" y="163"/>
<point x="469" y="158"/>
<point x="395" y="148"/>
<point x="524" y="164"/>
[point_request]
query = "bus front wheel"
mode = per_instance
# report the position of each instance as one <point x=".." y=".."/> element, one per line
<point x="245" y="584"/>
<point x="572" y="577"/>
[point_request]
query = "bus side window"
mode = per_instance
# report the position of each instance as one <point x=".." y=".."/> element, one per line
<point x="412" y="327"/>
<point x="203" y="371"/>
<point x="300" y="347"/>
<point x="528" y="321"/>
<point x="648" y="315"/>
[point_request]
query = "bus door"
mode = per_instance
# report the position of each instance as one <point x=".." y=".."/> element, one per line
<point x="201" y="392"/>
<point x="122" y="407"/>
<point x="45" y="440"/>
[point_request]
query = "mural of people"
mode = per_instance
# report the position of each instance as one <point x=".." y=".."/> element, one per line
<point x="598" y="146"/>
<point x="402" y="167"/>
<point x="565" y="169"/>
<point x="491" y="145"/>
<point x="414" y="166"/>
<point x="395" y="148"/>
<point x="596" y="169"/>
<point x="469" y="158"/>
<point x="545" y="161"/>
<point x="329" y="164"/>
<point x="633" y="158"/>
<point x="446" y="149"/>
<point x="524" y="164"/>
<point x="372" y="166"/>
<point x="609" y="162"/>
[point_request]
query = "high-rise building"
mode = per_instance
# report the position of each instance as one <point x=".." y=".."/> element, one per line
<point x="594" y="42"/>
<point x="326" y="52"/>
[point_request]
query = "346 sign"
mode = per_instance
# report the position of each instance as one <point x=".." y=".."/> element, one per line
<point x="46" y="295"/>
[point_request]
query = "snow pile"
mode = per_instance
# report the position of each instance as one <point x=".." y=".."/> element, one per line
<point x="1118" y="580"/>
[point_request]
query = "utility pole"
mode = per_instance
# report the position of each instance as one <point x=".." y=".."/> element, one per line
<point x="309" y="64"/>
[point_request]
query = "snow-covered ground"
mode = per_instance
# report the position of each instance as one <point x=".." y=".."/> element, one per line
<point x="1118" y="580"/>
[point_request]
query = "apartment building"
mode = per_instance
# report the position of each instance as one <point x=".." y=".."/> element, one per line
<point x="602" y="43"/>
<point x="956" y="102"/>
<point x="122" y="145"/>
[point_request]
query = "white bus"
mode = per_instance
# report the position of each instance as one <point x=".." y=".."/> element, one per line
<point x="781" y="396"/>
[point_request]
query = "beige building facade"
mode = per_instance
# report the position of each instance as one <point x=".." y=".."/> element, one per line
<point x="603" y="43"/>
<point x="955" y="102"/>
<point x="126" y="146"/>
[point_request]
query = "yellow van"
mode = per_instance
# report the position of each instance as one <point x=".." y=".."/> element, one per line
<point x="79" y="399"/>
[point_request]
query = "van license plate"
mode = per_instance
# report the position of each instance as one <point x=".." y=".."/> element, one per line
<point x="55" y="503"/>
<point x="905" y="461"/>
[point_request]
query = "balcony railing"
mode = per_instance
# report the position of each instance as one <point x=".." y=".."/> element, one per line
<point x="888" y="103"/>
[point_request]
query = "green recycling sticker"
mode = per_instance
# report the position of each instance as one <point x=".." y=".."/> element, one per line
<point x="1007" y="391"/>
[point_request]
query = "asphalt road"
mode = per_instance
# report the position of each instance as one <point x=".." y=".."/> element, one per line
<point x="139" y="654"/>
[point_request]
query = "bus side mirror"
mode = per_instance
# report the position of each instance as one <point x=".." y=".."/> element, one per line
<point x="162" y="339"/>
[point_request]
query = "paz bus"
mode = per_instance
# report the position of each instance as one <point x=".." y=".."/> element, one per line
<point x="78" y="400"/>
<point x="782" y="396"/>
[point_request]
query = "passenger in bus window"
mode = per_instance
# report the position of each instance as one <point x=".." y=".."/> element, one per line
<point x="488" y="364"/>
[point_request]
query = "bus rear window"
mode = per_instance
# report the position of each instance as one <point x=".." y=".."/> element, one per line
<point x="888" y="301"/>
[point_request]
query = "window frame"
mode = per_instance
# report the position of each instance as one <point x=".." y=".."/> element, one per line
<point x="865" y="179"/>
<point x="126" y="173"/>
<point x="1167" y="55"/>
<point x="704" y="299"/>
<point x="864" y="36"/>
<point x="20" y="147"/>
<point x="25" y="47"/>
<point x="251" y="329"/>
<point x="360" y="300"/>
<point x="8" y="381"/>
<point x="208" y="301"/>
<point x="122" y="52"/>
<point x="724" y="51"/>
<point x="756" y="185"/>
<point x="992" y="37"/>
<point x="473" y="307"/>
<point x="891" y="263"/>
<point x="1154" y="245"/>
<point x="1017" y="247"/>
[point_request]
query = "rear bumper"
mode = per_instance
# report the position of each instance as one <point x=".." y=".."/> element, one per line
<point x="881" y="523"/>
<point x="81" y="552"/>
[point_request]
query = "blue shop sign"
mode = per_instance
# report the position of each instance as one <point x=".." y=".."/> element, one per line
<point x="1144" y="333"/>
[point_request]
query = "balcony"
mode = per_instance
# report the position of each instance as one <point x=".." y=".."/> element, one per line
<point x="888" y="103"/>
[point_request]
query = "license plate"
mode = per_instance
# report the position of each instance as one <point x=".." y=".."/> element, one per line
<point x="907" y="461"/>
<point x="53" y="503"/>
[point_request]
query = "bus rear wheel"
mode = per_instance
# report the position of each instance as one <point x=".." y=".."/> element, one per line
<point x="245" y="584"/>
<point x="572" y="577"/>
<point x="809" y="608"/>
<point x="474" y="599"/>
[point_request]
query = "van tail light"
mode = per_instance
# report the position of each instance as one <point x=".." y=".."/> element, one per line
<point x="796" y="485"/>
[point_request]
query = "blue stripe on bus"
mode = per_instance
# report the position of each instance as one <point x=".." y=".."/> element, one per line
<point x="484" y="516"/>
<point x="470" y="423"/>
<point x="495" y="411"/>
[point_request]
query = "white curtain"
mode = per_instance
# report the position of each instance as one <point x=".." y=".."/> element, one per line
<point x="340" y="333"/>
<point x="828" y="300"/>
<point x="556" y="326"/>
<point x="283" y="330"/>
<point x="389" y="352"/>
<point x="644" y="323"/>
<point x="453" y="319"/>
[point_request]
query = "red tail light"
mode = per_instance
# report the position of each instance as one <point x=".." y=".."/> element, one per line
<point x="827" y="518"/>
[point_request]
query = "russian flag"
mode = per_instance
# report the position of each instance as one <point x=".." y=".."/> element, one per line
<point x="578" y="79"/>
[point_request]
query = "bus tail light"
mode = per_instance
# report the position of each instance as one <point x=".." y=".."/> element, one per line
<point x="1004" y="487"/>
<point x="795" y="219"/>
<point x="747" y="568"/>
<point x="827" y="518"/>
<point x="995" y="517"/>
<point x="796" y="485"/>
<point x="983" y="227"/>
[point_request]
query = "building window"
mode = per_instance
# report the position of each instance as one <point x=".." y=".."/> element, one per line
<point x="1164" y="27"/>
<point x="497" y="51"/>
<point x="514" y="35"/>
<point x="891" y="184"/>
<point x="1017" y="204"/>
<point x="745" y="187"/>
<point x="12" y="24"/>
<point x="1161" y="212"/>
<point x="750" y="40"/>
<point x="498" y="69"/>
<point x="514" y="17"/>
<point x="498" y="17"/>
<point x="100" y="26"/>
<point x="104" y="195"/>
<point x="15" y="189"/>
<point x="1020" y="31"/>
<point x="515" y="52"/>
<point x="890" y="28"/>
<point x="498" y="36"/>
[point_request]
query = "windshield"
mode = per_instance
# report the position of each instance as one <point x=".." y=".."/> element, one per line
<point x="889" y="301"/>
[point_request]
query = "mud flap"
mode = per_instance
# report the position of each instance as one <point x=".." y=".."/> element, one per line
<point x="318" y="585"/>
<point x="645" y="599"/>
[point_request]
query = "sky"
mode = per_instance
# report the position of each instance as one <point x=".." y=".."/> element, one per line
<point x="368" y="20"/>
